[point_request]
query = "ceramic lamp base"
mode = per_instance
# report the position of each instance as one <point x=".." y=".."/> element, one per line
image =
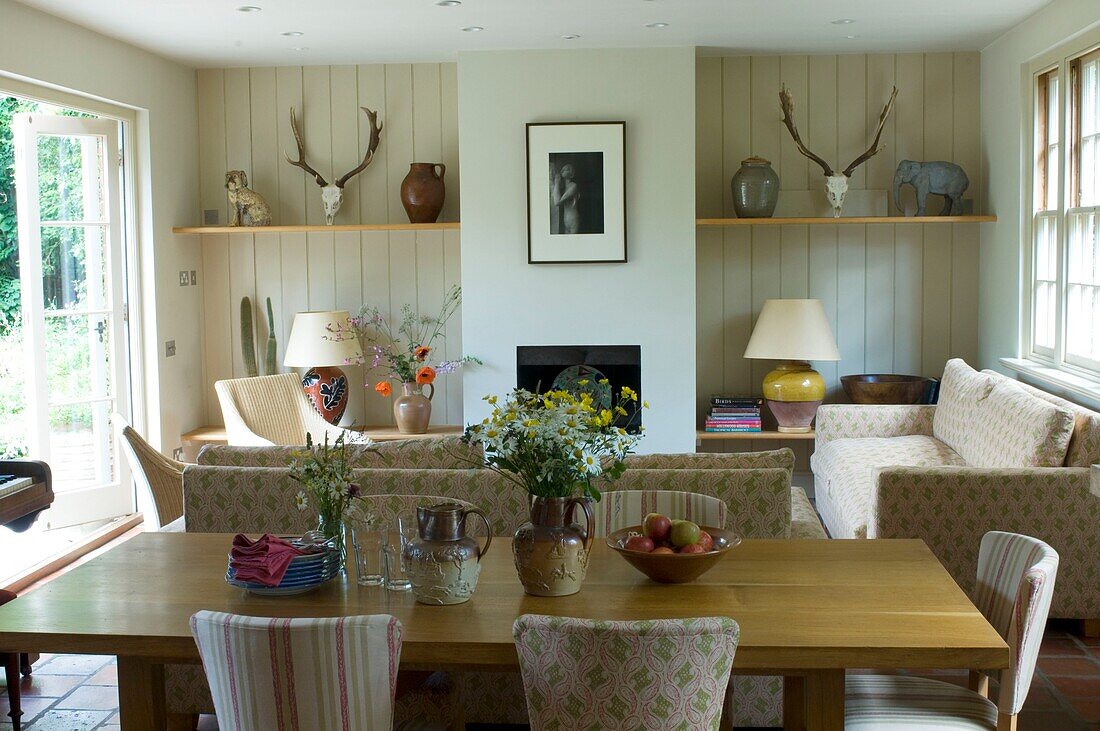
<point x="793" y="391"/>
<point x="327" y="389"/>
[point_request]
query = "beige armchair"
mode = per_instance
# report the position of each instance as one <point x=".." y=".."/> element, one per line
<point x="159" y="479"/>
<point x="272" y="410"/>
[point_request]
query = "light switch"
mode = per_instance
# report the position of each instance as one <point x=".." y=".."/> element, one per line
<point x="184" y="278"/>
<point x="169" y="348"/>
<point x="194" y="278"/>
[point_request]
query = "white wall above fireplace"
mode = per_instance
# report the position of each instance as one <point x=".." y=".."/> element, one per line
<point x="650" y="300"/>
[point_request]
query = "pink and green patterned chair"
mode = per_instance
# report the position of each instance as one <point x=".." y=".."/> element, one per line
<point x="1015" y="586"/>
<point x="623" y="508"/>
<point x="269" y="674"/>
<point x="654" y="674"/>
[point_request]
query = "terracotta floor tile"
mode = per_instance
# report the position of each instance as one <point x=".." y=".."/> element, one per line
<point x="109" y="676"/>
<point x="1059" y="645"/>
<point x="53" y="720"/>
<point x="1077" y="687"/>
<point x="53" y="686"/>
<point x="1040" y="697"/>
<point x="1069" y="666"/>
<point x="1089" y="708"/>
<point x="1048" y="721"/>
<point x="31" y="707"/>
<point x="73" y="665"/>
<point x="91" y="697"/>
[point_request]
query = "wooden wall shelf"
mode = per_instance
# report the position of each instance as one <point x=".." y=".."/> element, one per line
<point x="755" y="435"/>
<point x="440" y="226"/>
<point x="819" y="221"/>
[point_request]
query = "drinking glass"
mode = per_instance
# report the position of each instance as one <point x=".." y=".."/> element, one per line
<point x="397" y="535"/>
<point x="367" y="543"/>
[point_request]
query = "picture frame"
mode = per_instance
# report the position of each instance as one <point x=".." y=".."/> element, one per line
<point x="576" y="192"/>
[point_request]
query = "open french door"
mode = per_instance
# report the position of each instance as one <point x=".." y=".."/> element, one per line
<point x="72" y="279"/>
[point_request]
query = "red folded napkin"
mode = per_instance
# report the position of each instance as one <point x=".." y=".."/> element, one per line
<point x="263" y="561"/>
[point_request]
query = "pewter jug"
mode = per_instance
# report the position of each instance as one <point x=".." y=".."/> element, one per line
<point x="443" y="562"/>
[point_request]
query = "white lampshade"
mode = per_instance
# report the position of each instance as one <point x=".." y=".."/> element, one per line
<point x="792" y="330"/>
<point x="313" y="343"/>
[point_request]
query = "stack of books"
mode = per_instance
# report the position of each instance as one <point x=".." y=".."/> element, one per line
<point x="734" y="414"/>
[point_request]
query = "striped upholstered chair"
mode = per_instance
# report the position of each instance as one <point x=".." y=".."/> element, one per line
<point x="582" y="673"/>
<point x="623" y="508"/>
<point x="1015" y="586"/>
<point x="271" y="674"/>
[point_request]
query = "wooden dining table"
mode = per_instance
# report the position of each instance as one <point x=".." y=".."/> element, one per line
<point x="808" y="610"/>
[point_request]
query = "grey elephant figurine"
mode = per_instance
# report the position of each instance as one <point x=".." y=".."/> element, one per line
<point x="939" y="178"/>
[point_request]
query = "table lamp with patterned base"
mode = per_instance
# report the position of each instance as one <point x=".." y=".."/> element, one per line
<point x="322" y="342"/>
<point x="794" y="332"/>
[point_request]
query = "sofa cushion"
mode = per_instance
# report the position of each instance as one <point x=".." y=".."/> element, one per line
<point x="962" y="391"/>
<point x="781" y="458"/>
<point x="1012" y="428"/>
<point x="845" y="469"/>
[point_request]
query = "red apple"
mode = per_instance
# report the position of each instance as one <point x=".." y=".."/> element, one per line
<point x="639" y="543"/>
<point x="663" y="549"/>
<point x="693" y="548"/>
<point x="706" y="541"/>
<point x="657" y="527"/>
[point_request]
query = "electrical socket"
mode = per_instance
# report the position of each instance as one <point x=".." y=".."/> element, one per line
<point x="194" y="278"/>
<point x="169" y="348"/>
<point x="184" y="279"/>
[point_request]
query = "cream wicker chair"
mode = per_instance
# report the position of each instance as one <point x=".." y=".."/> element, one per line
<point x="159" y="479"/>
<point x="272" y="410"/>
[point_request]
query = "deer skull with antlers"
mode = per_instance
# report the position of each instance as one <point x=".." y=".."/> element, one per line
<point x="836" y="184"/>
<point x="332" y="195"/>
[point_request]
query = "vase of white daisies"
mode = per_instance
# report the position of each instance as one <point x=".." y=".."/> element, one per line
<point x="325" y="473"/>
<point x="556" y="446"/>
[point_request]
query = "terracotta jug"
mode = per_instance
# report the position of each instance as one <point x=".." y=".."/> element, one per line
<point x="412" y="410"/>
<point x="423" y="192"/>
<point x="551" y="553"/>
<point x="444" y="562"/>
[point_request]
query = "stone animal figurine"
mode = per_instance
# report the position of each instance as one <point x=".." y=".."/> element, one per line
<point x="246" y="206"/>
<point x="938" y="178"/>
<point x="836" y="184"/>
<point x="332" y="194"/>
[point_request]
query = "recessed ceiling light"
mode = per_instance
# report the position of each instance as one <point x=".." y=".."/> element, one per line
<point x="656" y="25"/>
<point x="448" y="3"/>
<point x="472" y="29"/>
<point x="851" y="37"/>
<point x="249" y="9"/>
<point x="293" y="33"/>
<point x="570" y="37"/>
<point x="842" y="21"/>
<point x="300" y="48"/>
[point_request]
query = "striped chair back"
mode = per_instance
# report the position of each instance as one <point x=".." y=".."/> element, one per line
<point x="269" y="674"/>
<point x="623" y="508"/>
<point x="1015" y="586"/>
<point x="582" y="673"/>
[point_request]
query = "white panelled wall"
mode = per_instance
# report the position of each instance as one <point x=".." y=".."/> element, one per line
<point x="901" y="298"/>
<point x="244" y="124"/>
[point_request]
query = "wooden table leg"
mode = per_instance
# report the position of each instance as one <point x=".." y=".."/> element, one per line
<point x="141" y="694"/>
<point x="794" y="703"/>
<point x="825" y="700"/>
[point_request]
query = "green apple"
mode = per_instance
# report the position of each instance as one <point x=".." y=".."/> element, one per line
<point x="683" y="533"/>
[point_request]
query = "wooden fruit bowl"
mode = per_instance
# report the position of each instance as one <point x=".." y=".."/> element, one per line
<point x="884" y="388"/>
<point x="674" y="568"/>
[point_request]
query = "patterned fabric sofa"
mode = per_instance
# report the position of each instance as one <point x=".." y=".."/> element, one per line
<point x="994" y="454"/>
<point x="220" y="498"/>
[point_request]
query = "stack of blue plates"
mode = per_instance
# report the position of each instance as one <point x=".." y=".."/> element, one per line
<point x="305" y="573"/>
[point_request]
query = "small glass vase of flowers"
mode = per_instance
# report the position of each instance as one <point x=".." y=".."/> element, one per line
<point x="556" y="445"/>
<point x="404" y="355"/>
<point x="325" y="474"/>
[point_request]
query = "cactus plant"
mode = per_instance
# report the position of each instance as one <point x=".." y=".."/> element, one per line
<point x="270" y="364"/>
<point x="248" y="344"/>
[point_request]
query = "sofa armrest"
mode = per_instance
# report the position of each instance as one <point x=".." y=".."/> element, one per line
<point x="855" y="421"/>
<point x="951" y="508"/>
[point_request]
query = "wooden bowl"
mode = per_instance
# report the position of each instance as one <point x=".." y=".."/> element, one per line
<point x="674" y="568"/>
<point x="884" y="388"/>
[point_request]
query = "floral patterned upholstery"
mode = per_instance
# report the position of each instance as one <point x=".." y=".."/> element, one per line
<point x="779" y="458"/>
<point x="1016" y="575"/>
<point x="849" y="421"/>
<point x="659" y="674"/>
<point x="413" y="454"/>
<point x="845" y="469"/>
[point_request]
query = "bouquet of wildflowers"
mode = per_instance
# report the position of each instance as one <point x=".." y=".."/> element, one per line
<point x="556" y="443"/>
<point x="405" y="353"/>
<point x="325" y="473"/>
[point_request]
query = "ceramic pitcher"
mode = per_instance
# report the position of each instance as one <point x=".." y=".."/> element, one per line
<point x="412" y="410"/>
<point x="423" y="191"/>
<point x="551" y="553"/>
<point x="443" y="561"/>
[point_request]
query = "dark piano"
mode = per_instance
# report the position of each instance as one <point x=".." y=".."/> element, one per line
<point x="26" y="489"/>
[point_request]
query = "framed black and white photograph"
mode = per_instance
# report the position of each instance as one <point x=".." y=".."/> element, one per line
<point x="576" y="192"/>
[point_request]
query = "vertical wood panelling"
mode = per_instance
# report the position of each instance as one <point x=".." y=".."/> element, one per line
<point x="900" y="298"/>
<point x="244" y="124"/>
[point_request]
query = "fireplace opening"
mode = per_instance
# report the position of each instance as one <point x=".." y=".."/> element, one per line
<point x="579" y="369"/>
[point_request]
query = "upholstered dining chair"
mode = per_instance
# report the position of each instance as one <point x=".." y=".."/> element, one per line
<point x="269" y="674"/>
<point x="1015" y="585"/>
<point x="582" y="673"/>
<point x="623" y="508"/>
<point x="272" y="410"/>
<point x="159" y="479"/>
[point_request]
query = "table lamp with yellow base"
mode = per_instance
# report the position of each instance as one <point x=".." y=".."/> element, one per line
<point x="794" y="332"/>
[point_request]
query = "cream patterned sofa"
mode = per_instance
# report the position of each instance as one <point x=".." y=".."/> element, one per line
<point x="227" y="492"/>
<point x="994" y="454"/>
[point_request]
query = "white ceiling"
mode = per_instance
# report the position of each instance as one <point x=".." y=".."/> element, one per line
<point x="214" y="33"/>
